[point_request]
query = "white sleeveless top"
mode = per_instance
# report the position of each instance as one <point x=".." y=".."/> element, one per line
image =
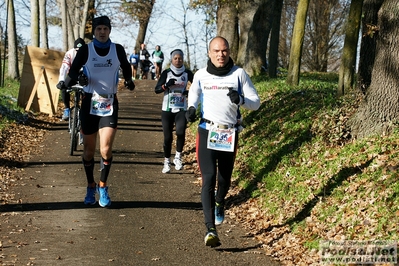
<point x="102" y="71"/>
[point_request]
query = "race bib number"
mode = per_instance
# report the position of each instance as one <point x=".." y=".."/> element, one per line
<point x="142" y="57"/>
<point x="157" y="59"/>
<point x="102" y="105"/>
<point x="221" y="139"/>
<point x="176" y="100"/>
<point x="133" y="60"/>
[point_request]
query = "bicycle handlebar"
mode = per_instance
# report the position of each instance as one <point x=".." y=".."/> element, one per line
<point x="75" y="88"/>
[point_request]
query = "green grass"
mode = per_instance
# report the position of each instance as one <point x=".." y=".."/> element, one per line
<point x="9" y="110"/>
<point x="297" y="157"/>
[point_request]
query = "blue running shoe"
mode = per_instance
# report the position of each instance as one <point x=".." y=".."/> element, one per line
<point x="65" y="115"/>
<point x="211" y="238"/>
<point x="90" y="198"/>
<point x="219" y="214"/>
<point x="104" y="200"/>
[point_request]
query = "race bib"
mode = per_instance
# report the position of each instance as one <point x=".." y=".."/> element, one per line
<point x="157" y="59"/>
<point x="142" y="57"/>
<point x="221" y="139"/>
<point x="133" y="60"/>
<point x="102" y="105"/>
<point x="176" y="100"/>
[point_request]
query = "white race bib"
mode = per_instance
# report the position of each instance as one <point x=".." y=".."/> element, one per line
<point x="221" y="139"/>
<point x="176" y="100"/>
<point x="102" y="104"/>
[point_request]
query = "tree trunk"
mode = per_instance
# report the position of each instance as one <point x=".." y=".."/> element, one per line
<point x="255" y="26"/>
<point x="13" y="70"/>
<point x="144" y="19"/>
<point x="348" y="61"/>
<point x="294" y="67"/>
<point x="368" y="44"/>
<point x="227" y="25"/>
<point x="43" y="24"/>
<point x="34" y="25"/>
<point x="64" y="25"/>
<point x="379" y="112"/>
<point x="272" y="63"/>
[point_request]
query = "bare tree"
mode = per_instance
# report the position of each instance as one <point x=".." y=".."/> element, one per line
<point x="43" y="24"/>
<point x="348" y="62"/>
<point x="227" y="25"/>
<point x="35" y="30"/>
<point x="297" y="43"/>
<point x="13" y="70"/>
<point x="141" y="11"/>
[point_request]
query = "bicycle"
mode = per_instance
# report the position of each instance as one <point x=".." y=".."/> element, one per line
<point x="74" y="121"/>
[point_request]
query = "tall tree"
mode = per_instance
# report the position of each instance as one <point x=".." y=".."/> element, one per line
<point x="368" y="43"/>
<point x="348" y="62"/>
<point x="34" y="25"/>
<point x="379" y="111"/>
<point x="297" y="43"/>
<point x="227" y="25"/>
<point x="272" y="63"/>
<point x="13" y="70"/>
<point x="43" y="24"/>
<point x="141" y="11"/>
<point x="255" y="18"/>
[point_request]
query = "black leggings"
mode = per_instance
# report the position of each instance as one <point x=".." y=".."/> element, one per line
<point x="170" y="119"/>
<point x="66" y="98"/>
<point x="212" y="162"/>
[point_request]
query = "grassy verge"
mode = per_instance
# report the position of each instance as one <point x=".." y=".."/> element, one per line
<point x="297" y="158"/>
<point x="9" y="110"/>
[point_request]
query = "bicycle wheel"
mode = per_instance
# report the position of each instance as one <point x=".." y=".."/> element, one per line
<point x="74" y="131"/>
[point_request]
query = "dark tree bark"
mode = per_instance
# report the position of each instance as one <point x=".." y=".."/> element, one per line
<point x="368" y="44"/>
<point x="255" y="25"/>
<point x="379" y="111"/>
<point x="274" y="39"/>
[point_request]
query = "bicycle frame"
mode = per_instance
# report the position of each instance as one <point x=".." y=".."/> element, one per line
<point x="74" y="121"/>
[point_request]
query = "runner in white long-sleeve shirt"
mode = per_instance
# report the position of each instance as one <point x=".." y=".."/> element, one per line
<point x="221" y="89"/>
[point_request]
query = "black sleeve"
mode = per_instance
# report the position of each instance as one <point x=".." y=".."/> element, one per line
<point x="80" y="59"/>
<point x="161" y="82"/>
<point x="190" y="76"/>
<point x="125" y="65"/>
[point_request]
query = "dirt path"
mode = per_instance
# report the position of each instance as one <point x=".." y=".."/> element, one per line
<point x="154" y="219"/>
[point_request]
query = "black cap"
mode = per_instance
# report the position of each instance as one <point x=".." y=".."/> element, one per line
<point x="103" y="20"/>
<point x="78" y="43"/>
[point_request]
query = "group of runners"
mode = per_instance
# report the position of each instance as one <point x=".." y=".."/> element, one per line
<point x="218" y="91"/>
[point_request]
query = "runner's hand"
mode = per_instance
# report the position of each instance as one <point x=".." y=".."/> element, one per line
<point x="234" y="96"/>
<point x="83" y="80"/>
<point x="191" y="115"/>
<point x="170" y="82"/>
<point x="130" y="84"/>
<point x="61" y="85"/>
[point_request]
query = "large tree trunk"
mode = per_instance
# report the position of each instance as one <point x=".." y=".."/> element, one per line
<point x="348" y="61"/>
<point x="13" y="70"/>
<point x="34" y="25"/>
<point x="368" y="44"/>
<point x="294" y="67"/>
<point x="255" y="26"/>
<point x="145" y="6"/>
<point x="379" y="111"/>
<point x="64" y="25"/>
<point x="227" y="25"/>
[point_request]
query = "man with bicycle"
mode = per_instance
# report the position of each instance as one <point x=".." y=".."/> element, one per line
<point x="101" y="60"/>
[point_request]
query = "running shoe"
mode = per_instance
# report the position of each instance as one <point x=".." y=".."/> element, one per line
<point x="166" y="168"/>
<point x="211" y="238"/>
<point x="219" y="214"/>
<point x="178" y="163"/>
<point x="104" y="200"/>
<point x="65" y="115"/>
<point x="90" y="198"/>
